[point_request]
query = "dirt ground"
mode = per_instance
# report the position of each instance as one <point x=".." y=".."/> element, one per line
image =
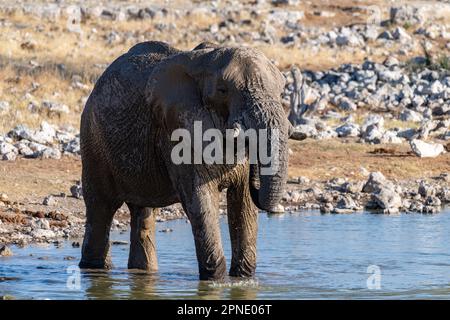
<point x="322" y="160"/>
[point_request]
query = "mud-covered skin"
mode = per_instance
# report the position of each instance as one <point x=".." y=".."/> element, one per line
<point x="126" y="145"/>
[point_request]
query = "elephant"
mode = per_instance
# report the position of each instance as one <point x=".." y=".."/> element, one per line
<point x="125" y="133"/>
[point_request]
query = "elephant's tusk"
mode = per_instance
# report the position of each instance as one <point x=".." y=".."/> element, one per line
<point x="236" y="130"/>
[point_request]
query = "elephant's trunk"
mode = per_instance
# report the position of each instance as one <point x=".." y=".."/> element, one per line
<point x="271" y="177"/>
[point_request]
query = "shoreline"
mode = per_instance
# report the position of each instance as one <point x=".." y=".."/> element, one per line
<point x="61" y="216"/>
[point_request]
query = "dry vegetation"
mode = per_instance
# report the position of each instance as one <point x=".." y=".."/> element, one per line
<point x="39" y="58"/>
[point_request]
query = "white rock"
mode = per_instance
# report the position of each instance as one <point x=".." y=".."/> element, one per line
<point x="47" y="133"/>
<point x="406" y="14"/>
<point x="24" y="149"/>
<point x="7" y="148"/>
<point x="372" y="31"/>
<point x="77" y="191"/>
<point x="388" y="200"/>
<point x="284" y="16"/>
<point x="418" y="101"/>
<point x="9" y="156"/>
<point x="347" y="105"/>
<point x="400" y="34"/>
<point x="373" y="134"/>
<point x="72" y="146"/>
<point x="435" y="88"/>
<point x="5" y="251"/>
<point x="40" y="223"/>
<point x="51" y="153"/>
<point x="54" y="108"/>
<point x="37" y="147"/>
<point x="308" y="130"/>
<point x="426" y="150"/>
<point x="49" y="201"/>
<point x="43" y="233"/>
<point x="391" y="137"/>
<point x="410" y="115"/>
<point x="348" y="130"/>
<point x="376" y="182"/>
<point x="3" y="197"/>
<point x="390" y="75"/>
<point x="373" y="119"/>
<point x="4" y="106"/>
<point x="277" y="209"/>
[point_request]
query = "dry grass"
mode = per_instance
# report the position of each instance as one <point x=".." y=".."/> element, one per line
<point x="19" y="91"/>
<point x="33" y="51"/>
<point x="308" y="58"/>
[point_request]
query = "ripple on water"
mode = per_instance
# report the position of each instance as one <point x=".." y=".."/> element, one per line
<point x="302" y="255"/>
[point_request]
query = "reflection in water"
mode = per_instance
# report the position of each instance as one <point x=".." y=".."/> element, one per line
<point x="142" y="285"/>
<point x="103" y="285"/>
<point x="304" y="255"/>
<point x="209" y="292"/>
<point x="244" y="292"/>
<point x="100" y="285"/>
<point x="108" y="285"/>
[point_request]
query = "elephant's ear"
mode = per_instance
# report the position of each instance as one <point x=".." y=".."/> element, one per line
<point x="280" y="79"/>
<point x="172" y="88"/>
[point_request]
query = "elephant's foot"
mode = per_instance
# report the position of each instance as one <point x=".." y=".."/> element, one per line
<point x="95" y="253"/>
<point x="142" y="265"/>
<point x="216" y="271"/>
<point x="95" y="256"/>
<point x="242" y="271"/>
<point x="95" y="264"/>
<point x="143" y="258"/>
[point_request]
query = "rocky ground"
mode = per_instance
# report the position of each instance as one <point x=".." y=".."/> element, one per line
<point x="368" y="84"/>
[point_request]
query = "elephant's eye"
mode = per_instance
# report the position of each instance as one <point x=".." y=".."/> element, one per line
<point x="222" y="90"/>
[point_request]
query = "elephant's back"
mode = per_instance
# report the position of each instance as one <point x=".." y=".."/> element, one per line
<point x="130" y="72"/>
<point x="117" y="120"/>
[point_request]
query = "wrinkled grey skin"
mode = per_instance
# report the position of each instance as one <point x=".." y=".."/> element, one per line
<point x="126" y="128"/>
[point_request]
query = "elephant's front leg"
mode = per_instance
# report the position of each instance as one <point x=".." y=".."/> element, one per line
<point x="142" y="238"/>
<point x="95" y="249"/>
<point x="202" y="208"/>
<point x="243" y="225"/>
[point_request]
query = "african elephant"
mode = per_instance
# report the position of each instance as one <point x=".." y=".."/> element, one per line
<point x="126" y="128"/>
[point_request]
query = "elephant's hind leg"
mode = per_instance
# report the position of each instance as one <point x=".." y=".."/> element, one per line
<point x="143" y="245"/>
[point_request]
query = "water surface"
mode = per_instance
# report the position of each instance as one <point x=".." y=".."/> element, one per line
<point x="303" y="255"/>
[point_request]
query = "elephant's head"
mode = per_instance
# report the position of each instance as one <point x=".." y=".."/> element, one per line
<point x="241" y="87"/>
